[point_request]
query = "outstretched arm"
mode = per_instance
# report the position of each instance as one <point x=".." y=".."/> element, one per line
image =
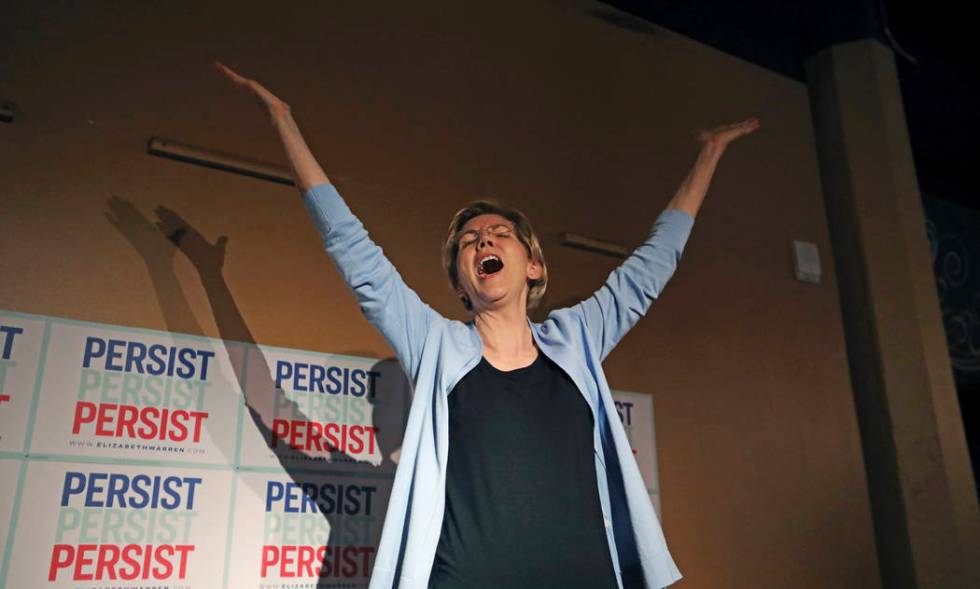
<point x="633" y="286"/>
<point x="307" y="172"/>
<point x="386" y="301"/>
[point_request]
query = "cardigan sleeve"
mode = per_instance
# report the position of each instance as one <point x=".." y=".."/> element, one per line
<point x="632" y="287"/>
<point x="386" y="301"/>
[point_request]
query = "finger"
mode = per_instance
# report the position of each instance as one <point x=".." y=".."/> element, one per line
<point x="261" y="92"/>
<point x="227" y="71"/>
<point x="231" y="74"/>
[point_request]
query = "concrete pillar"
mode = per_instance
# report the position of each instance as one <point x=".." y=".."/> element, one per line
<point x="924" y="502"/>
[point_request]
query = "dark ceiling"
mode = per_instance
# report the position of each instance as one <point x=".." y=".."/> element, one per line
<point x="930" y="41"/>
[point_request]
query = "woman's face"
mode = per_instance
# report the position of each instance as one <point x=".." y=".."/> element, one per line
<point x="492" y="264"/>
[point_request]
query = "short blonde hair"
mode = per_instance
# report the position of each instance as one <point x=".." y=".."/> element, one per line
<point x="525" y="234"/>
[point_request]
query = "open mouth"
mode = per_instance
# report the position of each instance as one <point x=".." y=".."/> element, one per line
<point x="489" y="266"/>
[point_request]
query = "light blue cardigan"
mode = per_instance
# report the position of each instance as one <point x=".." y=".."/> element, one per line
<point x="437" y="352"/>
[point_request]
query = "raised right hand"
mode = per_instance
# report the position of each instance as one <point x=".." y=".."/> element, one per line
<point x="269" y="101"/>
<point x="307" y="173"/>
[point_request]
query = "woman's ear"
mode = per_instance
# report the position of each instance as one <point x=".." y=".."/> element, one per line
<point x="534" y="270"/>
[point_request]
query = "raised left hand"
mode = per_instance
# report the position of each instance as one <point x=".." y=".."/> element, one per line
<point x="725" y="134"/>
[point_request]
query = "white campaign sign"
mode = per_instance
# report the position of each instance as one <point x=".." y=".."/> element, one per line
<point x="323" y="528"/>
<point x="20" y="350"/>
<point x="335" y="412"/>
<point x="100" y="526"/>
<point x="636" y="412"/>
<point x="138" y="395"/>
<point x="9" y="477"/>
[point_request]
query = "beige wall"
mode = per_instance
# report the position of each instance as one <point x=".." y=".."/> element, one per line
<point x="416" y="109"/>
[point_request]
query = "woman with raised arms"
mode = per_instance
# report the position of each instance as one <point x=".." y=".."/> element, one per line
<point x="515" y="470"/>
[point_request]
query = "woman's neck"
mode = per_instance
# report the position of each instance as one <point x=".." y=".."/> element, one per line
<point x="507" y="340"/>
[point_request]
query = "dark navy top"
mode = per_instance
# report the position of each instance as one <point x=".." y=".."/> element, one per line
<point x="522" y="506"/>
